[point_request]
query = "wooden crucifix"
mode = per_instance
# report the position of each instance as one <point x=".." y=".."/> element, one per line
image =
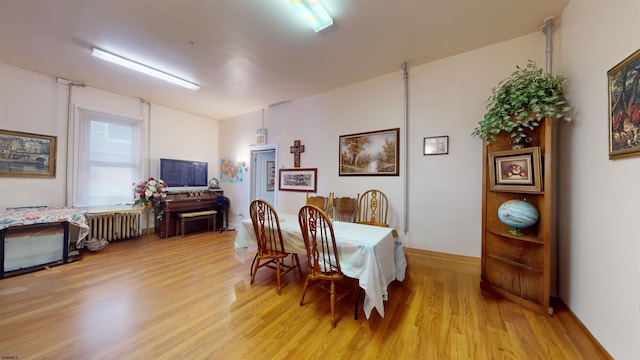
<point x="296" y="149"/>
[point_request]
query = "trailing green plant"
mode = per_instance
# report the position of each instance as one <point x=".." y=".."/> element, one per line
<point x="521" y="101"/>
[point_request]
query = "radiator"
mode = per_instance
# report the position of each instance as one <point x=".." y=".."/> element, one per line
<point x="115" y="226"/>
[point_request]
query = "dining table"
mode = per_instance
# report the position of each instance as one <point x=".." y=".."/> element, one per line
<point x="372" y="254"/>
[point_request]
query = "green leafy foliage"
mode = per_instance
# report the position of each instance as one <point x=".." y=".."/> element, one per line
<point x="521" y="101"/>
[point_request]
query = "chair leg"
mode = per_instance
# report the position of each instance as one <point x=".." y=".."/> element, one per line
<point x="255" y="270"/>
<point x="296" y="262"/>
<point x="253" y="262"/>
<point x="304" y="290"/>
<point x="333" y="304"/>
<point x="278" y="275"/>
<point x="355" y="316"/>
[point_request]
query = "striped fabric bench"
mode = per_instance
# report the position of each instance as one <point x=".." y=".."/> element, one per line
<point x="184" y="218"/>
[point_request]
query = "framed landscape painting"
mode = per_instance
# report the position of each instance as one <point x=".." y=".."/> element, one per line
<point x="370" y="153"/>
<point x="27" y="155"/>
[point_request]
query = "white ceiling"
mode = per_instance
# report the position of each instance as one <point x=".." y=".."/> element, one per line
<point x="250" y="54"/>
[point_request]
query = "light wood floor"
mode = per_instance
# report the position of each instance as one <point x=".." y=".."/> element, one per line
<point x="189" y="298"/>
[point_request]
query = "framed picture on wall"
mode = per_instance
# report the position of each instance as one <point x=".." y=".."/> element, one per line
<point x="27" y="155"/>
<point x="298" y="179"/>
<point x="436" y="145"/>
<point x="271" y="175"/>
<point x="624" y="107"/>
<point x="370" y="153"/>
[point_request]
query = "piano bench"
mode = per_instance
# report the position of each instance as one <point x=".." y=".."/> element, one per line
<point x="184" y="218"/>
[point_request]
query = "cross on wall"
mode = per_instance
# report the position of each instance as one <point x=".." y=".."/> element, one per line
<point x="296" y="149"/>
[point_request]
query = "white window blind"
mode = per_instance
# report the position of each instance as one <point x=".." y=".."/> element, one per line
<point x="108" y="159"/>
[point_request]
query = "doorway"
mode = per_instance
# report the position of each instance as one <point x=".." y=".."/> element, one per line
<point x="264" y="177"/>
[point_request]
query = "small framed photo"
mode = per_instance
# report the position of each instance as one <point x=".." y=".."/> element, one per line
<point x="298" y="179"/>
<point x="27" y="155"/>
<point x="516" y="170"/>
<point x="436" y="145"/>
<point x="624" y="107"/>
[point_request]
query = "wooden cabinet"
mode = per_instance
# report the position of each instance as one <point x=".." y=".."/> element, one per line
<point x="521" y="268"/>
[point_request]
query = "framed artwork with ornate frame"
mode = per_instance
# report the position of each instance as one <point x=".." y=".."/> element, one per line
<point x="298" y="179"/>
<point x="516" y="170"/>
<point x="370" y="153"/>
<point x="624" y="107"/>
<point x="27" y="155"/>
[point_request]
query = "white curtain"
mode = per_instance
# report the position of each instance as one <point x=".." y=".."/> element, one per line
<point x="107" y="158"/>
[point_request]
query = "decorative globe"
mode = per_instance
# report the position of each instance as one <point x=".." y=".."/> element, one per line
<point x="518" y="214"/>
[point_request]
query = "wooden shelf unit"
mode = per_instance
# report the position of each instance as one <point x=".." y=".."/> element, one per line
<point x="521" y="269"/>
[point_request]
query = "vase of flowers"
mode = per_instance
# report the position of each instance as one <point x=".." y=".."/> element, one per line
<point x="149" y="193"/>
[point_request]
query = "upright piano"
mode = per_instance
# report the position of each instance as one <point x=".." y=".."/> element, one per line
<point x="186" y="201"/>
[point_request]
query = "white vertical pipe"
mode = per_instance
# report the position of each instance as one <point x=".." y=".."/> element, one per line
<point x="149" y="139"/>
<point x="547" y="29"/>
<point x="405" y="76"/>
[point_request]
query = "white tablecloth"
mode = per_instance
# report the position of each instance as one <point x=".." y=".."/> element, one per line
<point x="371" y="254"/>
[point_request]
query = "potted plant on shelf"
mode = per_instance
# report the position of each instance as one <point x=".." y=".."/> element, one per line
<point x="520" y="102"/>
<point x="149" y="193"/>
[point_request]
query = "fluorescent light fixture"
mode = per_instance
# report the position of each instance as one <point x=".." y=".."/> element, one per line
<point x="314" y="13"/>
<point x="119" y="60"/>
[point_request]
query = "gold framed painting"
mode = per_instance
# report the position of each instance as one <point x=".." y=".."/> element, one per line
<point x="516" y="170"/>
<point x="27" y="155"/>
<point x="624" y="107"/>
<point x="370" y="153"/>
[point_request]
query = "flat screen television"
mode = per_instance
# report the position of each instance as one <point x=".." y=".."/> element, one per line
<point x="184" y="173"/>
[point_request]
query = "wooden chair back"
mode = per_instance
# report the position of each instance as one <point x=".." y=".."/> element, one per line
<point x="345" y="208"/>
<point x="323" y="262"/>
<point x="266" y="226"/>
<point x="323" y="202"/>
<point x="373" y="208"/>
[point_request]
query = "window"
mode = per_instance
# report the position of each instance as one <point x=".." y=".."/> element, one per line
<point x="108" y="159"/>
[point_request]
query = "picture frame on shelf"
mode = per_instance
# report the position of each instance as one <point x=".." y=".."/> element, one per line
<point x="624" y="107"/>
<point x="436" y="145"/>
<point x="298" y="179"/>
<point x="373" y="153"/>
<point x="27" y="154"/>
<point x="517" y="170"/>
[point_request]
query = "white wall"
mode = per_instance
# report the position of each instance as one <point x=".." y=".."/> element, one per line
<point x="179" y="135"/>
<point x="36" y="103"/>
<point x="599" y="198"/>
<point x="445" y="98"/>
<point x="33" y="103"/>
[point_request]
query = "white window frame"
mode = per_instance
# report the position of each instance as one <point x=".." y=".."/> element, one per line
<point x="81" y="194"/>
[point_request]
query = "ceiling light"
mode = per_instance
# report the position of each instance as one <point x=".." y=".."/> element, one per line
<point x="119" y="60"/>
<point x="314" y="13"/>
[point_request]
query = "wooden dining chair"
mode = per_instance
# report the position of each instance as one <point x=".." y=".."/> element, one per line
<point x="345" y="208"/>
<point x="271" y="252"/>
<point x="323" y="262"/>
<point x="373" y="208"/>
<point x="323" y="202"/>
